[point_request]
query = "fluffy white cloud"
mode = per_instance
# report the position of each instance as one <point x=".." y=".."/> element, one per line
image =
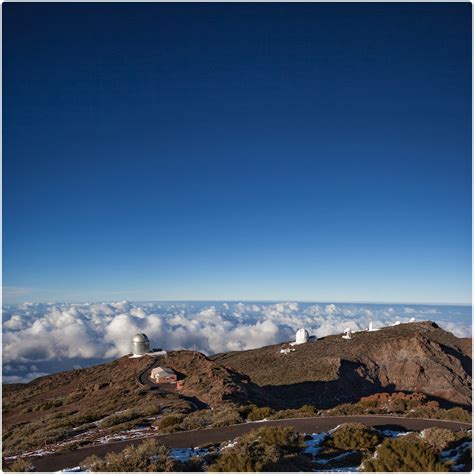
<point x="44" y="334"/>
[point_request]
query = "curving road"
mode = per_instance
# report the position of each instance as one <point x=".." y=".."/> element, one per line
<point x="185" y="439"/>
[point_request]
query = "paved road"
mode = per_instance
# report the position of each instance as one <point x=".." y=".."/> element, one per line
<point x="185" y="439"/>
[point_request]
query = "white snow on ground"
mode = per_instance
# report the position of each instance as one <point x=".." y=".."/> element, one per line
<point x="71" y="469"/>
<point x="395" y="434"/>
<point x="335" y="458"/>
<point x="38" y="452"/>
<point x="342" y="469"/>
<point x="313" y="446"/>
<point x="455" y="453"/>
<point x="230" y="444"/>
<point x="185" y="454"/>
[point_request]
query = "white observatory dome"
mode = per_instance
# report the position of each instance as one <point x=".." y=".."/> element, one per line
<point x="140" y="344"/>
<point x="301" y="336"/>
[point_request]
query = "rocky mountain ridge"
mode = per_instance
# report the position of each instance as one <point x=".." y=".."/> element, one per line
<point x="412" y="357"/>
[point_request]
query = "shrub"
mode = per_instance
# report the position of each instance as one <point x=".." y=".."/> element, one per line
<point x="398" y="406"/>
<point x="414" y="405"/>
<point x="20" y="465"/>
<point x="226" y="415"/>
<point x="457" y="414"/>
<point x="259" y="413"/>
<point x="354" y="436"/>
<point x="305" y="411"/>
<point x="453" y="414"/>
<point x="146" y="457"/>
<point x="170" y="420"/>
<point x="266" y="449"/>
<point x="439" y="438"/>
<point x="73" y="397"/>
<point x="404" y="454"/>
<point x="119" y="418"/>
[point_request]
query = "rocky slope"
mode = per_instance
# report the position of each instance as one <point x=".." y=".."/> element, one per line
<point x="59" y="407"/>
<point x="210" y="382"/>
<point x="110" y="387"/>
<point x="414" y="357"/>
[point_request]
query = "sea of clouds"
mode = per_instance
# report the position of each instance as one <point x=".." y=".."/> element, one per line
<point x="39" y="339"/>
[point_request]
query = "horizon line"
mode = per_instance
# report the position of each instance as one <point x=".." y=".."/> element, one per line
<point x="284" y="300"/>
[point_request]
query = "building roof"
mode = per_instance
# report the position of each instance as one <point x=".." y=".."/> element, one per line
<point x="140" y="338"/>
<point x="162" y="372"/>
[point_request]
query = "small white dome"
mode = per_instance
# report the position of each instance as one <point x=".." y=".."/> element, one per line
<point x="301" y="336"/>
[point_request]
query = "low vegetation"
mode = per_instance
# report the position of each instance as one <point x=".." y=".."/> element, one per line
<point x="441" y="438"/>
<point x="306" y="411"/>
<point x="228" y="414"/>
<point x="351" y="445"/>
<point x="350" y="436"/>
<point x="415" y="405"/>
<point x="266" y="449"/>
<point x="354" y="445"/>
<point x="52" y="409"/>
<point x="146" y="457"/>
<point x="224" y="415"/>
<point x="20" y="465"/>
<point x="405" y="454"/>
<point x="259" y="413"/>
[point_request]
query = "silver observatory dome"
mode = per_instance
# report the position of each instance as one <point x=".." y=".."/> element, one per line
<point x="140" y="344"/>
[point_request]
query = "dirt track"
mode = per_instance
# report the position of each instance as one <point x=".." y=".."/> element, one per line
<point x="195" y="438"/>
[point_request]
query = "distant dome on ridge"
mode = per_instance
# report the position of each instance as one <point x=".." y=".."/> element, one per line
<point x="301" y="336"/>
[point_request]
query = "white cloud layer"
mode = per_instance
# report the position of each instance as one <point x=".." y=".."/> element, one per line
<point x="41" y="338"/>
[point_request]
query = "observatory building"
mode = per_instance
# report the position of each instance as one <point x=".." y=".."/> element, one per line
<point x="301" y="336"/>
<point x="140" y="345"/>
<point x="163" y="375"/>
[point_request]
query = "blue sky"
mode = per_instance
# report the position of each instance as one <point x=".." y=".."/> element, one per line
<point x="314" y="152"/>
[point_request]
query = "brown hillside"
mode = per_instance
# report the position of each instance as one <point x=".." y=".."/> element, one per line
<point x="415" y="357"/>
<point x="58" y="407"/>
<point x="210" y="382"/>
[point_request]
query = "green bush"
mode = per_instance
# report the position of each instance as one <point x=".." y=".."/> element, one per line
<point x="305" y="411"/>
<point x="220" y="416"/>
<point x="259" y="413"/>
<point x="170" y="420"/>
<point x="146" y="457"/>
<point x="457" y="414"/>
<point x="226" y="415"/>
<point x="453" y="414"/>
<point x="119" y="418"/>
<point x="439" y="438"/>
<point x="404" y="454"/>
<point x="398" y="406"/>
<point x="412" y="408"/>
<point x="351" y="436"/>
<point x="20" y="465"/>
<point x="266" y="449"/>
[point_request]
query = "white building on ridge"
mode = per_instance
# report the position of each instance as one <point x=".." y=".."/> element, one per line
<point x="301" y="336"/>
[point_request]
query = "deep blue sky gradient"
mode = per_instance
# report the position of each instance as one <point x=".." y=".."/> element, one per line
<point x="239" y="151"/>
